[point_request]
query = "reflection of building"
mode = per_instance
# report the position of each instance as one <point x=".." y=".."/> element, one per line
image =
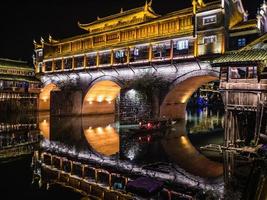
<point x="18" y="86"/>
<point x="140" y="35"/>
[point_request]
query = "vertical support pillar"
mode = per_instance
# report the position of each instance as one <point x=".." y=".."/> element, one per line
<point x="83" y="173"/>
<point x="228" y="166"/>
<point x="150" y="53"/>
<point x="61" y="163"/>
<point x="97" y="59"/>
<point x="84" y="61"/>
<point x="53" y="65"/>
<point x="71" y="167"/>
<point x="62" y="64"/>
<point x="72" y="63"/>
<point x="109" y="180"/>
<point x="96" y="175"/>
<point x="128" y="55"/>
<point x="196" y="47"/>
<point x="112" y="57"/>
<point x="43" y="67"/>
<point x="171" y="49"/>
<point x="223" y="44"/>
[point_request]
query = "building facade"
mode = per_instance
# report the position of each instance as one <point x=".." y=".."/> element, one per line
<point x="142" y="36"/>
<point x="18" y="86"/>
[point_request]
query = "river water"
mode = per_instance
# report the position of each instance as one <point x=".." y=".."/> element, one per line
<point x="102" y="135"/>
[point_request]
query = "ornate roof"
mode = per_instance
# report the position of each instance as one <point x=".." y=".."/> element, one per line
<point x="124" y="18"/>
<point x="10" y="77"/>
<point x="250" y="24"/>
<point x="260" y="43"/>
<point x="8" y="63"/>
<point x="245" y="56"/>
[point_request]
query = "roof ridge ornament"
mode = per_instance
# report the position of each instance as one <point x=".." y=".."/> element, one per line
<point x="201" y="3"/>
<point x="147" y="5"/>
<point x="121" y="10"/>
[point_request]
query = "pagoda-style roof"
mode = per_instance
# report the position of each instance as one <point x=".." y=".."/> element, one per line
<point x="210" y="6"/>
<point x="249" y="24"/>
<point x="244" y="56"/>
<point x="124" y="18"/>
<point x="8" y="63"/>
<point x="10" y="77"/>
<point x="260" y="43"/>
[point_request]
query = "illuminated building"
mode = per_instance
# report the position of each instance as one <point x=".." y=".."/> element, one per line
<point x="17" y="84"/>
<point x="140" y="35"/>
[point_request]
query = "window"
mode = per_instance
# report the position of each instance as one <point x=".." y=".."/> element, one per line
<point x="209" y="39"/>
<point x="209" y="20"/>
<point x="241" y="42"/>
<point x="40" y="53"/>
<point x="238" y="72"/>
<point x="139" y="53"/>
<point x="182" y="44"/>
<point x="161" y="51"/>
<point x="120" y="56"/>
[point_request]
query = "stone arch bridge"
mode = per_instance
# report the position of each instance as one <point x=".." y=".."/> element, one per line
<point x="111" y="90"/>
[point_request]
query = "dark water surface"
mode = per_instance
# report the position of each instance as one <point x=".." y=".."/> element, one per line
<point x="102" y="135"/>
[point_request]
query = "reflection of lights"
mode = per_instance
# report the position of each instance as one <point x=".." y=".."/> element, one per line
<point x="148" y="138"/>
<point x="109" y="127"/>
<point x="109" y="99"/>
<point x="109" y="102"/>
<point x="44" y="121"/>
<point x="100" y="99"/>
<point x="99" y="130"/>
<point x="132" y="152"/>
<point x="131" y="93"/>
<point x="184" y="140"/>
<point x="45" y="99"/>
<point x="90" y="100"/>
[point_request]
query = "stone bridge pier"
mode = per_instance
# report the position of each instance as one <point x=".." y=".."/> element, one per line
<point x="129" y="92"/>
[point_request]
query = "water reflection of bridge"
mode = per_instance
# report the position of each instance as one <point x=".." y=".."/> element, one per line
<point x="100" y="135"/>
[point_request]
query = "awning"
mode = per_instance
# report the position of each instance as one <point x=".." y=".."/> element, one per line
<point x="252" y="56"/>
<point x="8" y="77"/>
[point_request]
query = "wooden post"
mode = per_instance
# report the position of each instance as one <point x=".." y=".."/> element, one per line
<point x="53" y="65"/>
<point x="97" y="59"/>
<point x="83" y="174"/>
<point x="96" y="175"/>
<point x="72" y="63"/>
<point x="84" y="61"/>
<point x="171" y="49"/>
<point x="128" y="55"/>
<point x="62" y="64"/>
<point x="112" y="57"/>
<point x="150" y="52"/>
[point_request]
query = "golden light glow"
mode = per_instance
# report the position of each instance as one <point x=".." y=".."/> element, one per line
<point x="44" y="126"/>
<point x="184" y="140"/>
<point x="103" y="140"/>
<point x="100" y="99"/>
<point x="102" y="96"/>
<point x="44" y="103"/>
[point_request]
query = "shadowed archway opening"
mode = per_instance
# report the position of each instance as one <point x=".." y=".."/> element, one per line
<point x="44" y="97"/>
<point x="175" y="102"/>
<point x="101" y="98"/>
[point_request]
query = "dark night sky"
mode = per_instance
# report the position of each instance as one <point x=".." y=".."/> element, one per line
<point x="23" y="21"/>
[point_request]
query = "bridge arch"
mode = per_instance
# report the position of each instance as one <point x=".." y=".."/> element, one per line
<point x="100" y="97"/>
<point x="44" y="97"/>
<point x="180" y="91"/>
